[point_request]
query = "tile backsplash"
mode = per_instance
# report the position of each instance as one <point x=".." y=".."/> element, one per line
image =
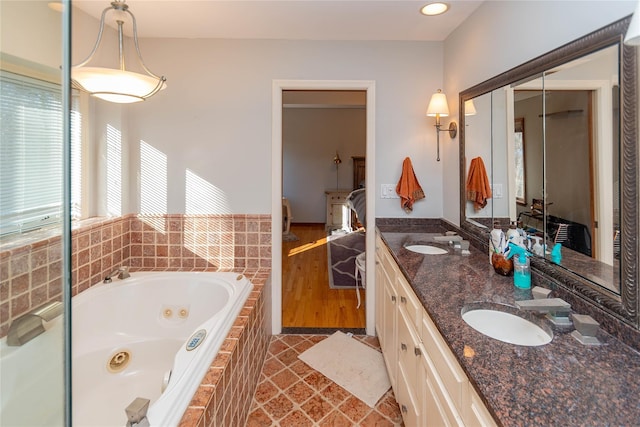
<point x="31" y="265"/>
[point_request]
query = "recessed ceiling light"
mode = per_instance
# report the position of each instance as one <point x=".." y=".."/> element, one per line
<point x="434" y="9"/>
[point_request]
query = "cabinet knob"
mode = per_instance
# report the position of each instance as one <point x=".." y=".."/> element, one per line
<point x="404" y="409"/>
<point x="403" y="347"/>
<point x="403" y="300"/>
<point x="416" y="351"/>
<point x="393" y="298"/>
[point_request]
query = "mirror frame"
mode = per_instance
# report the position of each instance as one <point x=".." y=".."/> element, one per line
<point x="626" y="305"/>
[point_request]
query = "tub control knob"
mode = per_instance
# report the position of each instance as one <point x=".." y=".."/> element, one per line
<point x="137" y="412"/>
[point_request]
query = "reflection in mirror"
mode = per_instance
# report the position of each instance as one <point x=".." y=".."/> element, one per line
<point x="501" y="119"/>
<point x="577" y="109"/>
<point x="478" y="137"/>
<point x="571" y="120"/>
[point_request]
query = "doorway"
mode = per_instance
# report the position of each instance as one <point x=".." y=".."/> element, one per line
<point x="277" y="180"/>
<point x="323" y="144"/>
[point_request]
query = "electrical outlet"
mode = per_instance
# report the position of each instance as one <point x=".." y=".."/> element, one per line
<point x="388" y="191"/>
<point x="496" y="190"/>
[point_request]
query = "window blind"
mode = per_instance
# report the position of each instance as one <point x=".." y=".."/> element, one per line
<point x="31" y="163"/>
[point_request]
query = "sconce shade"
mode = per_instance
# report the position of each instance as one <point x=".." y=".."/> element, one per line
<point x="469" y="108"/>
<point x="336" y="159"/>
<point x="117" y="84"/>
<point x="632" y="38"/>
<point x="438" y="105"/>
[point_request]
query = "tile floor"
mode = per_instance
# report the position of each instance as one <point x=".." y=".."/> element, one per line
<point x="290" y="393"/>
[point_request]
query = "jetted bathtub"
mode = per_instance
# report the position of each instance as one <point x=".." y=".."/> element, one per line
<point x="151" y="332"/>
<point x="152" y="335"/>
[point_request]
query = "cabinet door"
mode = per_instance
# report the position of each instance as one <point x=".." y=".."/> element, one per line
<point x="379" y="286"/>
<point x="438" y="409"/>
<point x="477" y="413"/>
<point x="451" y="374"/>
<point x="408" y="401"/>
<point x="389" y="348"/>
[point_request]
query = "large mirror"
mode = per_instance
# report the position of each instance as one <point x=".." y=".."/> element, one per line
<point x="562" y="161"/>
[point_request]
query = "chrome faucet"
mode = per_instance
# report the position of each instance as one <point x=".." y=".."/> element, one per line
<point x="121" y="272"/>
<point x="557" y="309"/>
<point x="30" y="325"/>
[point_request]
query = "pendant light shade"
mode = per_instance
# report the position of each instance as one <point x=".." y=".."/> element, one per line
<point x="117" y="84"/>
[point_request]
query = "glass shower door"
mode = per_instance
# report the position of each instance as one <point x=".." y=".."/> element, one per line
<point x="34" y="215"/>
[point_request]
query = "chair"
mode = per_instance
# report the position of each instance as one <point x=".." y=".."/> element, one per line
<point x="356" y="200"/>
<point x="360" y="271"/>
<point x="286" y="215"/>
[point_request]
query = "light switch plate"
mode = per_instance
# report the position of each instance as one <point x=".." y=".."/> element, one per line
<point x="388" y="191"/>
<point x="497" y="191"/>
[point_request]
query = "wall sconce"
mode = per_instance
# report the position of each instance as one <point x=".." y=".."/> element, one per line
<point x="438" y="107"/>
<point x="632" y="38"/>
<point x="469" y="108"/>
<point x="337" y="160"/>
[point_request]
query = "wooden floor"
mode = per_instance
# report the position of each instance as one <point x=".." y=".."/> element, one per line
<point x="307" y="300"/>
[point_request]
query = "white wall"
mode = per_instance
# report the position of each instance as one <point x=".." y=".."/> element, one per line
<point x="17" y="37"/>
<point x="500" y="35"/>
<point x="214" y="118"/>
<point x="310" y="139"/>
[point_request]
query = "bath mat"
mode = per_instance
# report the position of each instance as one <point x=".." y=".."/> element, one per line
<point x="352" y="365"/>
<point x="342" y="250"/>
<point x="289" y="237"/>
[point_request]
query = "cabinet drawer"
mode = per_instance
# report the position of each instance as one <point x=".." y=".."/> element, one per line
<point x="388" y="263"/>
<point x="408" y="301"/>
<point x="439" y="409"/>
<point x="477" y="413"/>
<point x="453" y="377"/>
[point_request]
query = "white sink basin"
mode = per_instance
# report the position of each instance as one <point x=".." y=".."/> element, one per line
<point x="507" y="327"/>
<point x="426" y="249"/>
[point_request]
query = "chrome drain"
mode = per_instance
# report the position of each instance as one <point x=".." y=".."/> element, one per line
<point x="119" y="361"/>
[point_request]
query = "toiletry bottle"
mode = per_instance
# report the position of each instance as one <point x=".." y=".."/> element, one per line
<point x="537" y="247"/>
<point x="496" y="241"/>
<point x="521" y="267"/>
<point x="512" y="234"/>
<point x="556" y="254"/>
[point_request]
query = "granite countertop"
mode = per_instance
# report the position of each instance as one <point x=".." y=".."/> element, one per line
<point x="561" y="383"/>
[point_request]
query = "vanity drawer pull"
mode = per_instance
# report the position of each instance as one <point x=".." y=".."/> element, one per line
<point x="416" y="351"/>
<point x="403" y="346"/>
<point x="393" y="298"/>
<point x="403" y="300"/>
<point x="404" y="409"/>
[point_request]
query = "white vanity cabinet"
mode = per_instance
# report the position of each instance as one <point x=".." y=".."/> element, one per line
<point x="386" y="313"/>
<point x="430" y="386"/>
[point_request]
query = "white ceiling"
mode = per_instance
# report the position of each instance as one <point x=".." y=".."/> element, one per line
<point x="290" y="19"/>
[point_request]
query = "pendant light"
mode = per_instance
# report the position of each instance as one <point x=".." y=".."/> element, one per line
<point x="117" y="84"/>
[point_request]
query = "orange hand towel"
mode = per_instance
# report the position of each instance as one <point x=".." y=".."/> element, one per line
<point x="478" y="188"/>
<point x="408" y="187"/>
